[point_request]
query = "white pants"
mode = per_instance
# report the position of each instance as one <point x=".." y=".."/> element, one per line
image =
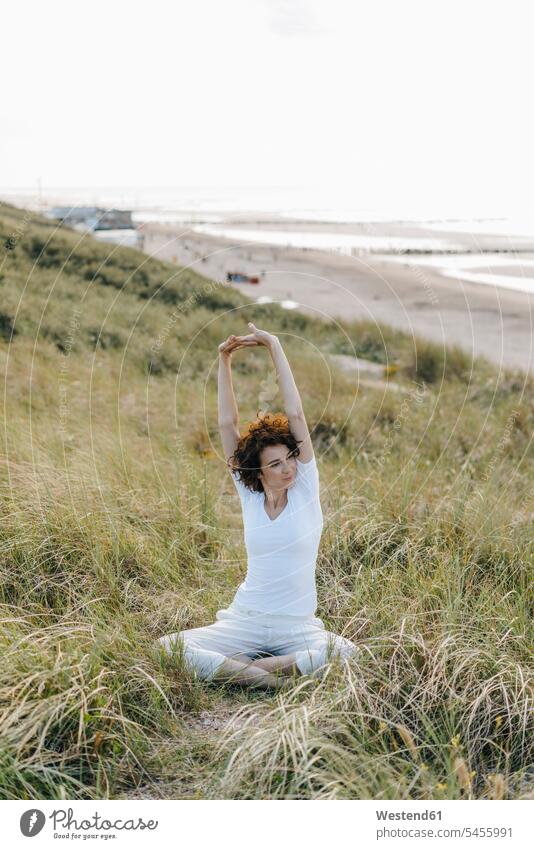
<point x="241" y="631"/>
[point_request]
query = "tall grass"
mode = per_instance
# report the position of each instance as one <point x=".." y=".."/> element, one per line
<point x="119" y="524"/>
<point x="438" y="704"/>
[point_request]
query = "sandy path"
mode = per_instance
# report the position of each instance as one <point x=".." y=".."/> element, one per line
<point x="487" y="320"/>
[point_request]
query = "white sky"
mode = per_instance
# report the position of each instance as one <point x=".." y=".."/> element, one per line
<point x="395" y="100"/>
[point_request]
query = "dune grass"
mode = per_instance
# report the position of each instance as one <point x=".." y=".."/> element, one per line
<point x="119" y="524"/>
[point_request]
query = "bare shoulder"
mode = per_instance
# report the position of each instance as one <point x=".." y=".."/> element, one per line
<point x="229" y="438"/>
<point x="299" y="428"/>
<point x="307" y="462"/>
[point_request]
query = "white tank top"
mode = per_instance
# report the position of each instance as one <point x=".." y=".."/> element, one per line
<point x="282" y="552"/>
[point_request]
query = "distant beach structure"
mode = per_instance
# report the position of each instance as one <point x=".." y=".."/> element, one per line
<point x="93" y="217"/>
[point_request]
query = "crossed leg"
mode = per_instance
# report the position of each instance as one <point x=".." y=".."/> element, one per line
<point x="218" y="652"/>
<point x="234" y="671"/>
<point x="284" y="663"/>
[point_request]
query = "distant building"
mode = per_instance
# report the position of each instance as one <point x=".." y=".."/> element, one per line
<point x="94" y="217"/>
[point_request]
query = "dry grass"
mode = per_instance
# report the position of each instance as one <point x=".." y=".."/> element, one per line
<point x="125" y="526"/>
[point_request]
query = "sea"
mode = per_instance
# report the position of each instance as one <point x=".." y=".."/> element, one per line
<point x="491" y="247"/>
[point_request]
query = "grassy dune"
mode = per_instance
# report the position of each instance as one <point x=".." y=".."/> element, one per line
<point x="119" y="524"/>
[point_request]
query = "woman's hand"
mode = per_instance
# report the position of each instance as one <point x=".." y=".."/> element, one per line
<point x="259" y="337"/>
<point x="233" y="343"/>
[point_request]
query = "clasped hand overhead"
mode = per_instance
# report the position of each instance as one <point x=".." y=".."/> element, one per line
<point x="253" y="339"/>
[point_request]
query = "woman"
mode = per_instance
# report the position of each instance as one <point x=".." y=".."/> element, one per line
<point x="273" y="611"/>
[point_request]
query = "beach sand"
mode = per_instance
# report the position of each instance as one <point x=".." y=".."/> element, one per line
<point x="484" y="320"/>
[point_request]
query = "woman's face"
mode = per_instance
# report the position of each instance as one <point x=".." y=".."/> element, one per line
<point x="278" y="466"/>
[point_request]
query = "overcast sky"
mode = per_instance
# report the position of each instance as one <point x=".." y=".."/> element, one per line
<point x="394" y="100"/>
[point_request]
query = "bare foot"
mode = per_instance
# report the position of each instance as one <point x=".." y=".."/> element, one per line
<point x="234" y="672"/>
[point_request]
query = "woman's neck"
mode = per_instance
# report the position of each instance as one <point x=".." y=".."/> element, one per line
<point x="276" y="499"/>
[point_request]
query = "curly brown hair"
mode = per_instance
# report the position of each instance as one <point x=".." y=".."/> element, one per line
<point x="269" y="429"/>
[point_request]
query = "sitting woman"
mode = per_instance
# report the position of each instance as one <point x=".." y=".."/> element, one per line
<point x="273" y="612"/>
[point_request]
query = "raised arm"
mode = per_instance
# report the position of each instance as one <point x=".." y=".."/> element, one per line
<point x="288" y="388"/>
<point x="228" y="415"/>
